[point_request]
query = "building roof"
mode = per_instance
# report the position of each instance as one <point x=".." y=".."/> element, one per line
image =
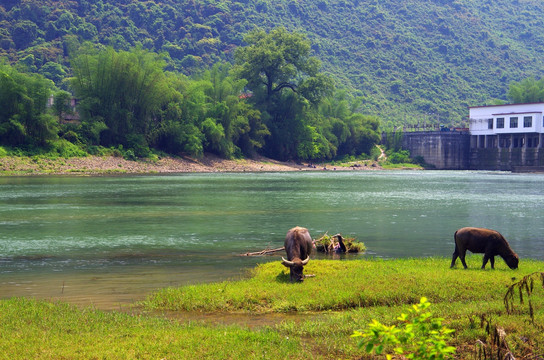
<point x="484" y="106"/>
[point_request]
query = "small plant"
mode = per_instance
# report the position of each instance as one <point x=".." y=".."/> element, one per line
<point x="495" y="346"/>
<point x="418" y="335"/>
<point x="527" y="285"/>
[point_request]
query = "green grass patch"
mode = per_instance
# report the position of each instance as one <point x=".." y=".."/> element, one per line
<point x="340" y="285"/>
<point x="390" y="166"/>
<point x="31" y="329"/>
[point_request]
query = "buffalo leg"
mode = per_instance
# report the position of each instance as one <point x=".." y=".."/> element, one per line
<point x="492" y="261"/>
<point x="462" y="257"/>
<point x="486" y="259"/>
<point x="454" y="257"/>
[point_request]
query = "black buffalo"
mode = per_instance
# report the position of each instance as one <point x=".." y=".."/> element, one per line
<point x="489" y="242"/>
<point x="298" y="246"/>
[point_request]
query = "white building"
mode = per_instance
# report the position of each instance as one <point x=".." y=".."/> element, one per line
<point x="507" y="126"/>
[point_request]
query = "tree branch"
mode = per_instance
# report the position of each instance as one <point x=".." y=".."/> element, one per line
<point x="285" y="85"/>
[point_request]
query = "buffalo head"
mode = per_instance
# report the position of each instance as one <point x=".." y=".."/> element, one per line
<point x="297" y="267"/>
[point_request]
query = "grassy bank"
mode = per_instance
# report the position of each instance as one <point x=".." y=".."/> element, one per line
<point x="343" y="296"/>
<point x="341" y="285"/>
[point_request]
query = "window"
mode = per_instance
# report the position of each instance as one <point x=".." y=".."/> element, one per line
<point x="490" y="123"/>
<point x="500" y="123"/>
<point x="513" y="122"/>
<point x="527" y="121"/>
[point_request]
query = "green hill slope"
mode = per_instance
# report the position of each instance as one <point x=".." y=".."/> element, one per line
<point x="420" y="60"/>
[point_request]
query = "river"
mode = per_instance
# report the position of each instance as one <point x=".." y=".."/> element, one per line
<point x="110" y="240"/>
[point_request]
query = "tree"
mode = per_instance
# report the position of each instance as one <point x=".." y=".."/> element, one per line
<point x="61" y="103"/>
<point x="122" y="90"/>
<point x="238" y="122"/>
<point x="285" y="83"/>
<point x="352" y="132"/>
<point x="24" y="33"/>
<point x="177" y="130"/>
<point x="23" y="118"/>
<point x="53" y="71"/>
<point x="528" y="90"/>
<point x="280" y="60"/>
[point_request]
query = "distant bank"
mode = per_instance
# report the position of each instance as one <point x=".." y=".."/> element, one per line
<point x="100" y="165"/>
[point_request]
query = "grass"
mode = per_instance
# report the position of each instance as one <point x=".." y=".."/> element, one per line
<point x="342" y="297"/>
<point x="402" y="166"/>
<point x="33" y="329"/>
<point x="340" y="285"/>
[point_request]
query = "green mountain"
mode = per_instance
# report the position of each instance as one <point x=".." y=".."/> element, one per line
<point x="415" y="60"/>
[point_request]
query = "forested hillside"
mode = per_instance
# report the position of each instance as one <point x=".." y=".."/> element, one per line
<point x="414" y="60"/>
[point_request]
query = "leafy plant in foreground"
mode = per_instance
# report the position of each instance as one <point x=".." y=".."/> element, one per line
<point x="418" y="336"/>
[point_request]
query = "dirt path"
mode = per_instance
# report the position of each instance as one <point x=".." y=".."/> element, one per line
<point x="382" y="156"/>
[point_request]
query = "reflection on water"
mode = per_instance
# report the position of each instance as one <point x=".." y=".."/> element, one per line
<point x="113" y="239"/>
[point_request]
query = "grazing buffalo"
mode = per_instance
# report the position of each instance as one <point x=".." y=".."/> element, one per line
<point x="486" y="241"/>
<point x="298" y="246"/>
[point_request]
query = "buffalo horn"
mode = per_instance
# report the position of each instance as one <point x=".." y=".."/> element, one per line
<point x="304" y="262"/>
<point x="286" y="262"/>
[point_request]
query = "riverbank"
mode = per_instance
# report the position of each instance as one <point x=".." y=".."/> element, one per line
<point x="89" y="165"/>
<point x="321" y="314"/>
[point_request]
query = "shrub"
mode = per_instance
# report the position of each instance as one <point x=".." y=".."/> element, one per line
<point x="399" y="157"/>
<point x="66" y="149"/>
<point x="418" y="336"/>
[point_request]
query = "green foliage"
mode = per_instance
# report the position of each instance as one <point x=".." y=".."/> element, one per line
<point x="286" y="86"/>
<point x="122" y="89"/>
<point x="61" y="103"/>
<point x="398" y="157"/>
<point x="328" y="244"/>
<point x="308" y="119"/>
<point x="393" y="140"/>
<point x="278" y="61"/>
<point x="418" y="335"/>
<point x="23" y="118"/>
<point x="54" y="72"/>
<point x="528" y="90"/>
<point x="66" y="149"/>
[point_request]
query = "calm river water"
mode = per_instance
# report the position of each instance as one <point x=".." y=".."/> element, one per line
<point x="111" y="240"/>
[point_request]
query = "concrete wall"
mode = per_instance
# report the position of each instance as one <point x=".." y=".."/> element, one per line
<point x="507" y="159"/>
<point x="443" y="149"/>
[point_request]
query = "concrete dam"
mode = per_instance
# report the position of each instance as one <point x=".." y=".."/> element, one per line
<point x="459" y="150"/>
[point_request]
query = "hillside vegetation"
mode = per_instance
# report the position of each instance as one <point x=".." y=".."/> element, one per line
<point x="421" y="61"/>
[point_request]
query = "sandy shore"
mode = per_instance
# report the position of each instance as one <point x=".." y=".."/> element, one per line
<point x="117" y="165"/>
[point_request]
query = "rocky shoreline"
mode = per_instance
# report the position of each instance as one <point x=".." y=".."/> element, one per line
<point x="95" y="165"/>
